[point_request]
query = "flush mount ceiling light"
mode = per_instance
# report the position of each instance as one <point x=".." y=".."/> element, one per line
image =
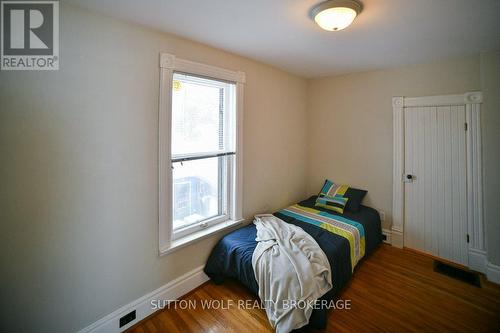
<point x="335" y="15"/>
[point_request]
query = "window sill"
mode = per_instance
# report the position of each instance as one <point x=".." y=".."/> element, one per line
<point x="197" y="236"/>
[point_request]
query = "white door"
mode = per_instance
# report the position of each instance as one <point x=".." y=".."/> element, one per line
<point x="435" y="207"/>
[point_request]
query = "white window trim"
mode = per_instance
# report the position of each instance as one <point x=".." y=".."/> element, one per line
<point x="168" y="65"/>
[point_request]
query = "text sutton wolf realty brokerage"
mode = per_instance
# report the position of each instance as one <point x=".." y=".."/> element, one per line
<point x="29" y="35"/>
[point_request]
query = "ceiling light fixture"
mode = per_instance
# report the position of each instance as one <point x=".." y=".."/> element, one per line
<point x="335" y="15"/>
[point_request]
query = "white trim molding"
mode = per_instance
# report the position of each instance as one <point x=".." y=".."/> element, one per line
<point x="177" y="244"/>
<point x="169" y="64"/>
<point x="170" y="61"/>
<point x="475" y="227"/>
<point x="493" y="273"/>
<point x="397" y="172"/>
<point x="477" y="260"/>
<point x="388" y="236"/>
<point x="475" y="223"/>
<point x="474" y="97"/>
<point x="164" y="151"/>
<point x="144" y="306"/>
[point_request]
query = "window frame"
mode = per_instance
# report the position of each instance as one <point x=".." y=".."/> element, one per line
<point x="169" y="64"/>
<point x="224" y="156"/>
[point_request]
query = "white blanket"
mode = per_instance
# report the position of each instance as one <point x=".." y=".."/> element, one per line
<point x="290" y="268"/>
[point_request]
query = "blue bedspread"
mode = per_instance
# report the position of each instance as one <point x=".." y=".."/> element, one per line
<point x="232" y="256"/>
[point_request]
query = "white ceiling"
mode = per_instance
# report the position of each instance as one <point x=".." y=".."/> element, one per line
<point x="387" y="33"/>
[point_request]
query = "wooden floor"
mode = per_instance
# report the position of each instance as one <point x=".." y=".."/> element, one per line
<point x="392" y="291"/>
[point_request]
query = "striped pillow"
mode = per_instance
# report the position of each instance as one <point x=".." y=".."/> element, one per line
<point x="332" y="197"/>
<point x="331" y="189"/>
<point x="336" y="203"/>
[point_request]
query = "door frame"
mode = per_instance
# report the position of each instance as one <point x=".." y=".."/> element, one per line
<point x="475" y="226"/>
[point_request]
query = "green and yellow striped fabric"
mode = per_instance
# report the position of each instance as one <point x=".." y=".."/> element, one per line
<point x="353" y="231"/>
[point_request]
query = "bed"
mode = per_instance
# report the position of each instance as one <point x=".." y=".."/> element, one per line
<point x="232" y="255"/>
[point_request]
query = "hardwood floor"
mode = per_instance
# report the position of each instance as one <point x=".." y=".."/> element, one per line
<point x="392" y="291"/>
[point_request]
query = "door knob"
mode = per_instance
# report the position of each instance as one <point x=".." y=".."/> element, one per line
<point x="408" y="178"/>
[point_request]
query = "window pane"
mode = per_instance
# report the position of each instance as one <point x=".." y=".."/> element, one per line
<point x="197" y="114"/>
<point x="197" y="192"/>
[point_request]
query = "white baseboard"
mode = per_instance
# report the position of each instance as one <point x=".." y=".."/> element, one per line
<point x="477" y="260"/>
<point x="493" y="273"/>
<point x="397" y="238"/>
<point x="170" y="291"/>
<point x="388" y="236"/>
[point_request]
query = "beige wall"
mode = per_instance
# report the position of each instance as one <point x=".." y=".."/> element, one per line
<point x="78" y="147"/>
<point x="490" y="85"/>
<point x="78" y="187"/>
<point x="350" y="127"/>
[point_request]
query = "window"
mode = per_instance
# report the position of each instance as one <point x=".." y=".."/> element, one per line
<point x="200" y="150"/>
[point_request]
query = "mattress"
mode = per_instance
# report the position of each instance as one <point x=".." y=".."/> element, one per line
<point x="232" y="255"/>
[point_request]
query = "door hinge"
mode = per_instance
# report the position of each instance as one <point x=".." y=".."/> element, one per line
<point x="467" y="238"/>
<point x="465" y="126"/>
